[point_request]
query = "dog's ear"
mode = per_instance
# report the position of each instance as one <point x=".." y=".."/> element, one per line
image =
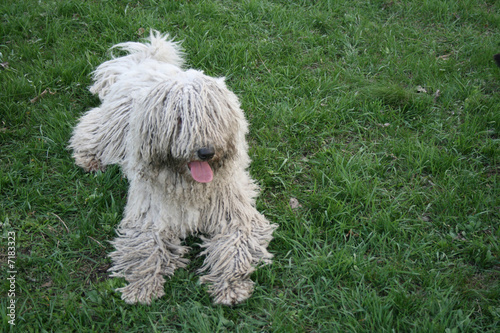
<point x="496" y="57"/>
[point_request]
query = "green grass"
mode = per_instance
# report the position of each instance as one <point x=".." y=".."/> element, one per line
<point x="380" y="117"/>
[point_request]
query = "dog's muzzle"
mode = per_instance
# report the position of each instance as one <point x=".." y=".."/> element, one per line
<point x="206" y="154"/>
<point x="201" y="170"/>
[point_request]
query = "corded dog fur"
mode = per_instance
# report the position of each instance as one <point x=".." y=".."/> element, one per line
<point x="179" y="137"/>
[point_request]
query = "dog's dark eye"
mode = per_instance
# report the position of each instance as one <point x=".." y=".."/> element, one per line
<point x="179" y="121"/>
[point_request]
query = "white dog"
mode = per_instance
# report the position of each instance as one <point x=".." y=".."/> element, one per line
<point x="180" y="139"/>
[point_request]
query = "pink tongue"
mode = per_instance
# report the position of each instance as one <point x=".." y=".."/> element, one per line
<point x="201" y="171"/>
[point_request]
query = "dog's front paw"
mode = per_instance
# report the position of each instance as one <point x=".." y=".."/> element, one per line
<point x="143" y="291"/>
<point x="231" y="293"/>
<point x="89" y="163"/>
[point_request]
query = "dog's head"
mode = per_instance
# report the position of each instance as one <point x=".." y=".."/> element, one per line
<point x="192" y="125"/>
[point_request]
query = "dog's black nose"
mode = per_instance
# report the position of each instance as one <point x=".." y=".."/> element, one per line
<point x="206" y="153"/>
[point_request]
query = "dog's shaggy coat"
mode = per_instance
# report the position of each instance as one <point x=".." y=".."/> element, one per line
<point x="179" y="137"/>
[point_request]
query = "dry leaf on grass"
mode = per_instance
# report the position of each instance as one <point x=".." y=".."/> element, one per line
<point x="45" y="92"/>
<point x="421" y="89"/>
<point x="437" y="94"/>
<point x="444" y="57"/>
<point x="294" y="203"/>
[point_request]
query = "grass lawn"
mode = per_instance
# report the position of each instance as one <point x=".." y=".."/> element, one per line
<point x="374" y="134"/>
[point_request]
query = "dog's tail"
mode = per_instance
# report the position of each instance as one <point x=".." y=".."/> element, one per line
<point x="158" y="46"/>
